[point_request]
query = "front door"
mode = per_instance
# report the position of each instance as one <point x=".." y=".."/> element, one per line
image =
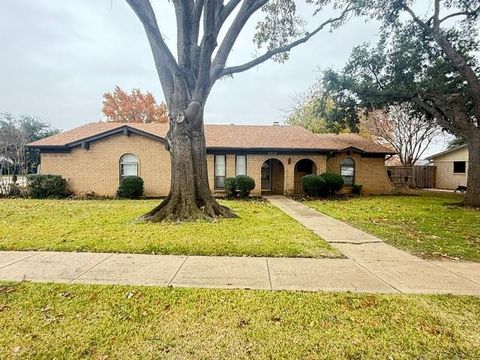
<point x="267" y="175"/>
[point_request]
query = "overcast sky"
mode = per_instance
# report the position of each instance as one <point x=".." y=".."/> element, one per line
<point x="59" y="58"/>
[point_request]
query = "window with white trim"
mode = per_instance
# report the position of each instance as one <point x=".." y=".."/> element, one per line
<point x="241" y="165"/>
<point x="347" y="171"/>
<point x="220" y="169"/>
<point x="128" y="165"/>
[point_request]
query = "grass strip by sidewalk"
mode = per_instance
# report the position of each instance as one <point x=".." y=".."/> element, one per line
<point x="45" y="321"/>
<point x="109" y="226"/>
<point x="428" y="225"/>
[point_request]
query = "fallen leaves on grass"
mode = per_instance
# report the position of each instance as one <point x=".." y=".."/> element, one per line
<point x="7" y="289"/>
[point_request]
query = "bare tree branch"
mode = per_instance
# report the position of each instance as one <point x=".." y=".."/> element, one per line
<point x="207" y="47"/>
<point x="196" y="15"/>
<point x="458" y="60"/>
<point x="461" y="13"/>
<point x="270" y="53"/>
<point x="184" y="14"/>
<point x="417" y="19"/>
<point x="407" y="132"/>
<point x="225" y="12"/>
<point x="165" y="62"/>
<point x="247" y="9"/>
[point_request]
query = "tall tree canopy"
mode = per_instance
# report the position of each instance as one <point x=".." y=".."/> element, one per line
<point x="15" y="133"/>
<point x="428" y="60"/>
<point x="207" y="30"/>
<point x="319" y="114"/>
<point x="133" y="107"/>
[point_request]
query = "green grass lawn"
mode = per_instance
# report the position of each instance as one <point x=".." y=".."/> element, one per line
<point x="44" y="321"/>
<point x="109" y="226"/>
<point x="429" y="225"/>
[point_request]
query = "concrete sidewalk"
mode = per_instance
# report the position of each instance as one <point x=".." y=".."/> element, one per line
<point x="399" y="269"/>
<point x="371" y="266"/>
<point x="390" y="276"/>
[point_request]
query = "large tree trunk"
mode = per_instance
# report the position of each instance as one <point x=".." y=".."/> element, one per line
<point x="472" y="197"/>
<point x="189" y="198"/>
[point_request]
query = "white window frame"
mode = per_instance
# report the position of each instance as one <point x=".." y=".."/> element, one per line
<point x="129" y="163"/>
<point x="352" y="166"/>
<point x="219" y="173"/>
<point x="237" y="170"/>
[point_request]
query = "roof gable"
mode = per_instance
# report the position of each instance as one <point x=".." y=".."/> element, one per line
<point x="92" y="132"/>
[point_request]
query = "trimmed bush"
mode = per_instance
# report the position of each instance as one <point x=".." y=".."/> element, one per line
<point x="230" y="187"/>
<point x="334" y="182"/>
<point x="314" y="185"/>
<point x="131" y="187"/>
<point x="357" y="189"/>
<point x="244" y="185"/>
<point x="47" y="186"/>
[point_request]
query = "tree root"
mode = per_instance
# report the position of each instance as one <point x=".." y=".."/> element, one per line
<point x="178" y="209"/>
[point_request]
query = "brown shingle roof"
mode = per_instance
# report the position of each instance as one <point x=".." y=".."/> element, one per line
<point x="260" y="137"/>
<point x="345" y="141"/>
<point x="228" y="137"/>
<point x="76" y="134"/>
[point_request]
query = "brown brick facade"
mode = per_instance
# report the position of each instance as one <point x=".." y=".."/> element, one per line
<point x="369" y="172"/>
<point x="98" y="168"/>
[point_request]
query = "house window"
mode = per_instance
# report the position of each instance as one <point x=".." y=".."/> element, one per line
<point x="347" y="171"/>
<point x="241" y="165"/>
<point x="220" y="171"/>
<point x="459" y="167"/>
<point x="128" y="165"/>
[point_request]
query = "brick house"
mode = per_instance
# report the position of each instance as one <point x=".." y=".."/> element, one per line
<point x="95" y="156"/>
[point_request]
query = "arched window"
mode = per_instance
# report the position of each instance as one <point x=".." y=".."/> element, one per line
<point x="128" y="165"/>
<point x="347" y="171"/>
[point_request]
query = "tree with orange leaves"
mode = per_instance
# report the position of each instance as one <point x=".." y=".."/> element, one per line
<point x="133" y="107"/>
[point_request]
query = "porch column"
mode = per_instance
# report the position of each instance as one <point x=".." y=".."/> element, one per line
<point x="254" y="169"/>
<point x="289" y="175"/>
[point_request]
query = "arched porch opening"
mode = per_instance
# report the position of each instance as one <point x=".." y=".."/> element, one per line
<point x="302" y="167"/>
<point x="273" y="177"/>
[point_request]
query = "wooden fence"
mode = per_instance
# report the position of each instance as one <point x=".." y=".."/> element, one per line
<point x="424" y="176"/>
<point x="412" y="176"/>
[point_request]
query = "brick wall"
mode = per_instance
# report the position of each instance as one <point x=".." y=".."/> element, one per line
<point x="369" y="172"/>
<point x="254" y="165"/>
<point x="98" y="169"/>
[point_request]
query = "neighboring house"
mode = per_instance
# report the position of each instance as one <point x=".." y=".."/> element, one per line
<point x="94" y="157"/>
<point x="451" y="167"/>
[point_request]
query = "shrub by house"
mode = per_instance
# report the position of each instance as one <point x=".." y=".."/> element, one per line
<point x="47" y="187"/>
<point x="131" y="187"/>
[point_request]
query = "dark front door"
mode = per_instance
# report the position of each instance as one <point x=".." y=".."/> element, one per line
<point x="267" y="175"/>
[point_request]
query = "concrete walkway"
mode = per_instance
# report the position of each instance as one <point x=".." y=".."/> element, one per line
<point x="371" y="266"/>
<point x="397" y="269"/>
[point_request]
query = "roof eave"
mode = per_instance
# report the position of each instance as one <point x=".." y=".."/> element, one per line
<point x="362" y="151"/>
<point x="121" y="129"/>
<point x="266" y="148"/>
<point x="431" y="157"/>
